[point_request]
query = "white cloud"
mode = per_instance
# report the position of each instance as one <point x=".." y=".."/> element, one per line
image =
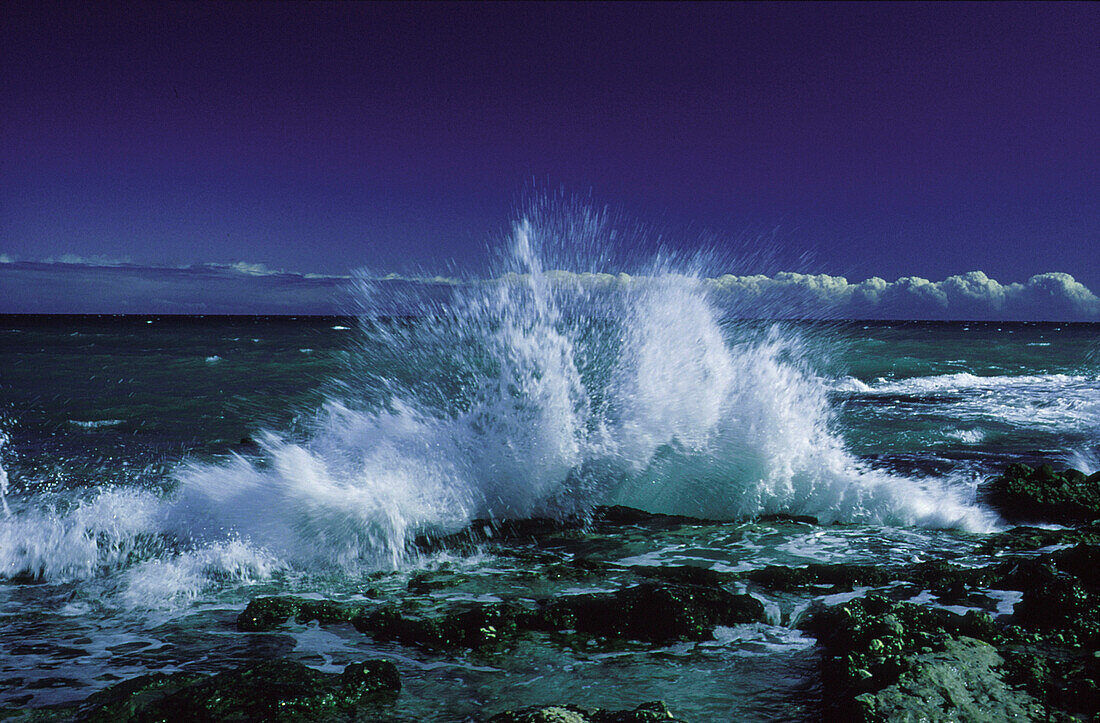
<point x="76" y="260"/>
<point x="973" y="295"/>
<point x="98" y="285"/>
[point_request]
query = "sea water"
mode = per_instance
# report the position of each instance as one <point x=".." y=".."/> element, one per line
<point x="156" y="473"/>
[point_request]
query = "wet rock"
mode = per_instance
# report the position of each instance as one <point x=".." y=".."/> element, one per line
<point x="540" y="529"/>
<point x="482" y="531"/>
<point x="620" y="515"/>
<point x="1082" y="562"/>
<point x="652" y="612"/>
<point x="267" y="613"/>
<point x="1033" y="538"/>
<point x="784" y="517"/>
<point x="1042" y="494"/>
<point x="683" y="574"/>
<point x="1064" y="680"/>
<point x="871" y="642"/>
<point x="960" y="682"/>
<point x="839" y="576"/>
<point x="579" y="568"/>
<point x="277" y="690"/>
<point x="655" y="711"/>
<point x="887" y="660"/>
<point x="429" y="581"/>
<point x="128" y="700"/>
<point x="480" y="627"/>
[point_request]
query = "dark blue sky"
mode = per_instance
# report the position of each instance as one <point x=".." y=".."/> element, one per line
<point x="886" y="140"/>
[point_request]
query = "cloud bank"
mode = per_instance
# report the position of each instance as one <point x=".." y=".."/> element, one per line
<point x="972" y="296"/>
<point x="99" y="286"/>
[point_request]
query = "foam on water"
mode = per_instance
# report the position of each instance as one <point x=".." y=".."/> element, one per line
<point x="964" y="381"/>
<point x="172" y="579"/>
<point x="1066" y="402"/>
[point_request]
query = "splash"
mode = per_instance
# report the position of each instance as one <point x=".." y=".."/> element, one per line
<point x="521" y="396"/>
<point x="524" y="397"/>
<point x="103" y="532"/>
<point x="4" y="479"/>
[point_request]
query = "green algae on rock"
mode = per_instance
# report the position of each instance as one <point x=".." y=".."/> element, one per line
<point x="1023" y="494"/>
<point x="652" y="612"/>
<point x="275" y="690"/>
<point x="644" y="713"/>
<point x="886" y="660"/>
<point x="959" y="682"/>
<point x="267" y="613"/>
<point x="477" y="627"/>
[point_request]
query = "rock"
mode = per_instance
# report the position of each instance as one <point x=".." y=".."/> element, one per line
<point x="1043" y="495"/>
<point x="267" y="613"/>
<point x="652" y="612"/>
<point x="646" y="712"/>
<point x="483" y="531"/>
<point x="871" y="642"/>
<point x="276" y="690"/>
<point x="840" y="576"/>
<point x="128" y="700"/>
<point x="960" y="682"/>
<point x="683" y="574"/>
<point x="785" y="517"/>
<point x="478" y="628"/>
<point x="620" y="515"/>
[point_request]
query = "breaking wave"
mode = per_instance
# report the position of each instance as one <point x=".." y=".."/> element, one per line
<point x="509" y="399"/>
<point x="521" y="398"/>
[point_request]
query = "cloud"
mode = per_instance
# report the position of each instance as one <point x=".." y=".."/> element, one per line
<point x="102" y="286"/>
<point x="62" y="287"/>
<point x="75" y="260"/>
<point x="971" y="296"/>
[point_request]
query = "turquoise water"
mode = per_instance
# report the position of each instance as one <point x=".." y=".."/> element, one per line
<point x="162" y="471"/>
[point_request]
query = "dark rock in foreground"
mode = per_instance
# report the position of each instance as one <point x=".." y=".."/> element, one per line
<point x="276" y="690"/>
<point x="655" y="711"/>
<point x="1024" y="494"/>
<point x="887" y="660"/>
<point x="650" y="612"/>
<point x="540" y="528"/>
<point x="477" y="628"/>
<point x="267" y="613"/>
<point x="653" y="612"/>
<point x="960" y="682"/>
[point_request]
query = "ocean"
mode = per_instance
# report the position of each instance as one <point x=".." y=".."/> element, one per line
<point x="161" y="471"/>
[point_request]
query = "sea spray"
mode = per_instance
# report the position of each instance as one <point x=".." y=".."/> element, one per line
<point x="532" y="393"/>
<point x="4" y="478"/>
<point x="107" y="530"/>
<point x="523" y="397"/>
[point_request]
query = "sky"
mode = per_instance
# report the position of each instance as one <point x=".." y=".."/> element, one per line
<point x="153" y="143"/>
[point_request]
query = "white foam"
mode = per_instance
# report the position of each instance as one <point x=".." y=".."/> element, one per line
<point x="183" y="577"/>
<point x="1066" y="402"/>
<point x="965" y="381"/>
<point x="966" y="436"/>
<point x="95" y="423"/>
<point x="100" y="532"/>
<point x="4" y="479"/>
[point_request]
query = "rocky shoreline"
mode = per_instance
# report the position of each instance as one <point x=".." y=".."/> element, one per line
<point x="1015" y="638"/>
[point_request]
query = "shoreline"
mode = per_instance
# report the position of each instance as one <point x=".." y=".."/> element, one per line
<point x="896" y="643"/>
